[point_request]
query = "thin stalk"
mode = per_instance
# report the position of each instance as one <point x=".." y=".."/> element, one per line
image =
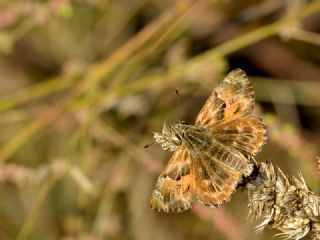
<point x="306" y="36"/>
<point x="36" y="208"/>
<point x="36" y="91"/>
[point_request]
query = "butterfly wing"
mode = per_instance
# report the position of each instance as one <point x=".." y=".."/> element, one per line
<point x="247" y="134"/>
<point x="209" y="192"/>
<point x="175" y="187"/>
<point x="233" y="98"/>
<point x="210" y="178"/>
<point x="218" y="173"/>
<point x="228" y="113"/>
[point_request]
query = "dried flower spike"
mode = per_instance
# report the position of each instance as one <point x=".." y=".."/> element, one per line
<point x="286" y="204"/>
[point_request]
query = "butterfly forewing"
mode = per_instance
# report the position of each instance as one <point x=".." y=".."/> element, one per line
<point x="175" y="187"/>
<point x="233" y="98"/>
<point x="228" y="113"/>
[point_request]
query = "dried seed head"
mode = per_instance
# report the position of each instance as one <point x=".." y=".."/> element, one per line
<point x="285" y="204"/>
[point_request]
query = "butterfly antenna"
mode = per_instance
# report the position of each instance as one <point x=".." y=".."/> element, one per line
<point x="178" y="96"/>
<point x="148" y="145"/>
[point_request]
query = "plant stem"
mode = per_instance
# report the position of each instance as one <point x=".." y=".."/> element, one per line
<point x="41" y="198"/>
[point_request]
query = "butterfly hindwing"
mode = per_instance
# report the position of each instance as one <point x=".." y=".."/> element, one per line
<point x="247" y="134"/>
<point x="215" y="180"/>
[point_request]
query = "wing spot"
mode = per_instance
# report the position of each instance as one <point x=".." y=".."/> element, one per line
<point x="221" y="112"/>
<point x="237" y="109"/>
<point x="173" y="174"/>
<point x="185" y="170"/>
<point x="244" y="139"/>
<point x="230" y="131"/>
<point x="247" y="129"/>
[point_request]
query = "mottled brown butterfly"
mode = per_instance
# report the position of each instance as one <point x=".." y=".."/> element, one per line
<point x="212" y="156"/>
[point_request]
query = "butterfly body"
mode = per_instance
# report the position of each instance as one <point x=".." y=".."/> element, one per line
<point x="189" y="136"/>
<point x="210" y="157"/>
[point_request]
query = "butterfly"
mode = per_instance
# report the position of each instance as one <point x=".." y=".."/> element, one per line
<point x="211" y="157"/>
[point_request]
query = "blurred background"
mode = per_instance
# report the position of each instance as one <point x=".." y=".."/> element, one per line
<point x="84" y="83"/>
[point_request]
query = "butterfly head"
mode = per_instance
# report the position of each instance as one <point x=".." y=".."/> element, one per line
<point x="171" y="137"/>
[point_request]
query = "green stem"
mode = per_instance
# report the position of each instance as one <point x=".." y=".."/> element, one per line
<point x="32" y="217"/>
<point x="305" y="36"/>
<point x="35" y="92"/>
